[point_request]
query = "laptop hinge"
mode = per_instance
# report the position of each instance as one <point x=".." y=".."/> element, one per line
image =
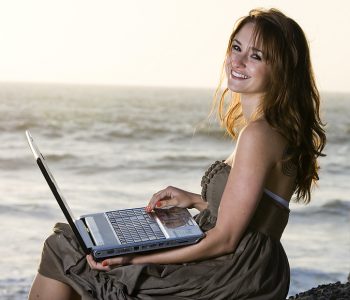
<point x="84" y="233"/>
<point x="94" y="231"/>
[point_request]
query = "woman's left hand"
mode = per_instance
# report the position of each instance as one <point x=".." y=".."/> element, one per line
<point x="108" y="264"/>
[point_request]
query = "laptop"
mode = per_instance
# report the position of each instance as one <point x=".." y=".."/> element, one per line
<point x="124" y="231"/>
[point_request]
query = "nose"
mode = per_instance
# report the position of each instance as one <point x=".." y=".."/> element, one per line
<point x="238" y="60"/>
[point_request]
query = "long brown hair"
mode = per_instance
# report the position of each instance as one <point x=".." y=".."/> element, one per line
<point x="291" y="104"/>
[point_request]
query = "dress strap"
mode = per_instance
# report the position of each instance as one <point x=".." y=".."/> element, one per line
<point x="279" y="199"/>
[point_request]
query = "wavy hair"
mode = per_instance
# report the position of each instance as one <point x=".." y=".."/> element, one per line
<point x="291" y="104"/>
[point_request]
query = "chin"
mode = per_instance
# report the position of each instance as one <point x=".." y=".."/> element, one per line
<point x="234" y="88"/>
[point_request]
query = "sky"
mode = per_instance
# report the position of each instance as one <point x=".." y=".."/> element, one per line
<point x="178" y="43"/>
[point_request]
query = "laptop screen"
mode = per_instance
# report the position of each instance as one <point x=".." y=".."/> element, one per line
<point x="50" y="180"/>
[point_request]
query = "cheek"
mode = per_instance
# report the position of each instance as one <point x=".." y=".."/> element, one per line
<point x="264" y="75"/>
<point x="227" y="65"/>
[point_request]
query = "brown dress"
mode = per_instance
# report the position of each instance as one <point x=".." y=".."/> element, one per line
<point x="257" y="269"/>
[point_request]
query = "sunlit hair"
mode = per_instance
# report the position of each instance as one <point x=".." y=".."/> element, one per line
<point x="291" y="102"/>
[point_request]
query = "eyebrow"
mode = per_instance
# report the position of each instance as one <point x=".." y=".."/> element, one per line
<point x="237" y="41"/>
<point x="253" y="48"/>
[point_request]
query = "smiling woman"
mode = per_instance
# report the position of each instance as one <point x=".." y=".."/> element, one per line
<point x="274" y="115"/>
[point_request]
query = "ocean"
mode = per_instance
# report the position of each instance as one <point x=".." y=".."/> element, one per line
<point x="113" y="147"/>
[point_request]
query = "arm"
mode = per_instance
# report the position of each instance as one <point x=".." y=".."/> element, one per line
<point x="254" y="159"/>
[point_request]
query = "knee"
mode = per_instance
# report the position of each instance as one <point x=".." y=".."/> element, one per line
<point x="46" y="288"/>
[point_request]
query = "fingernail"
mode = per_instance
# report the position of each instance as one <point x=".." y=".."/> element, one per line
<point x="104" y="263"/>
<point x="158" y="204"/>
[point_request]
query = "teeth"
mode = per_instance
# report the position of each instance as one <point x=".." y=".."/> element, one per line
<point x="238" y="75"/>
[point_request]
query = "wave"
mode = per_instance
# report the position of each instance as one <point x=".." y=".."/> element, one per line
<point x="60" y="157"/>
<point x="336" y="168"/>
<point x="15" y="163"/>
<point x="37" y="211"/>
<point x="18" y="126"/>
<point x="185" y="158"/>
<point x="214" y="136"/>
<point x="165" y="163"/>
<point x="337" y="206"/>
<point x="333" y="208"/>
<point x="15" y="288"/>
<point x="339" y="138"/>
<point x="112" y="131"/>
<point x="24" y="162"/>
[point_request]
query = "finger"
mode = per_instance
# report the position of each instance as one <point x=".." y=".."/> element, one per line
<point x="96" y="265"/>
<point x="166" y="203"/>
<point x="88" y="261"/>
<point x="157" y="197"/>
<point x="112" y="262"/>
<point x="166" y="194"/>
<point x="91" y="261"/>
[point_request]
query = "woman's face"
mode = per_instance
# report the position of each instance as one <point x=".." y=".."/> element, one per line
<point x="246" y="67"/>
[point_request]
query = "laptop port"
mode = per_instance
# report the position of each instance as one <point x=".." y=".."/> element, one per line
<point x="136" y="248"/>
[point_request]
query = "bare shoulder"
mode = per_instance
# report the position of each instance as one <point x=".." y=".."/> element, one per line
<point x="259" y="129"/>
<point x="260" y="135"/>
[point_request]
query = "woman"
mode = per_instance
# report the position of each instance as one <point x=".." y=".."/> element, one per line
<point x="273" y="112"/>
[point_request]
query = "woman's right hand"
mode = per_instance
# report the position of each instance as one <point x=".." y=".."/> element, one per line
<point x="172" y="196"/>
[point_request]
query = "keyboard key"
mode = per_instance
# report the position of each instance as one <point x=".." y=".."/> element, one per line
<point x="134" y="225"/>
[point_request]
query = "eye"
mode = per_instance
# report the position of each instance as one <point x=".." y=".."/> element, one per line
<point x="256" y="56"/>
<point x="236" y="48"/>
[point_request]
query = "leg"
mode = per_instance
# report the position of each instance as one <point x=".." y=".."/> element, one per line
<point x="46" y="288"/>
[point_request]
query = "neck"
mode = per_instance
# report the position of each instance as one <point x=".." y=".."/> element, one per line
<point x="250" y="104"/>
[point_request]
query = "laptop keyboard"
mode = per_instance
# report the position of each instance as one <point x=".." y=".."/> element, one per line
<point x="134" y="225"/>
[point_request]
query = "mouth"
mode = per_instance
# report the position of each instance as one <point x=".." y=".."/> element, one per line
<point x="238" y="75"/>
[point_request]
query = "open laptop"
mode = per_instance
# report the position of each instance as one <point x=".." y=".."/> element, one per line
<point x="119" y="232"/>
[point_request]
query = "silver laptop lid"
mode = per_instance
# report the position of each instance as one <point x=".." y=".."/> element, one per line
<point x="54" y="188"/>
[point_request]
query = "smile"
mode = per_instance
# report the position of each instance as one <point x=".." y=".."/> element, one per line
<point x="239" y="75"/>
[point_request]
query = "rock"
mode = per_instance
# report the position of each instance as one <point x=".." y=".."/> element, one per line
<point x="331" y="291"/>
